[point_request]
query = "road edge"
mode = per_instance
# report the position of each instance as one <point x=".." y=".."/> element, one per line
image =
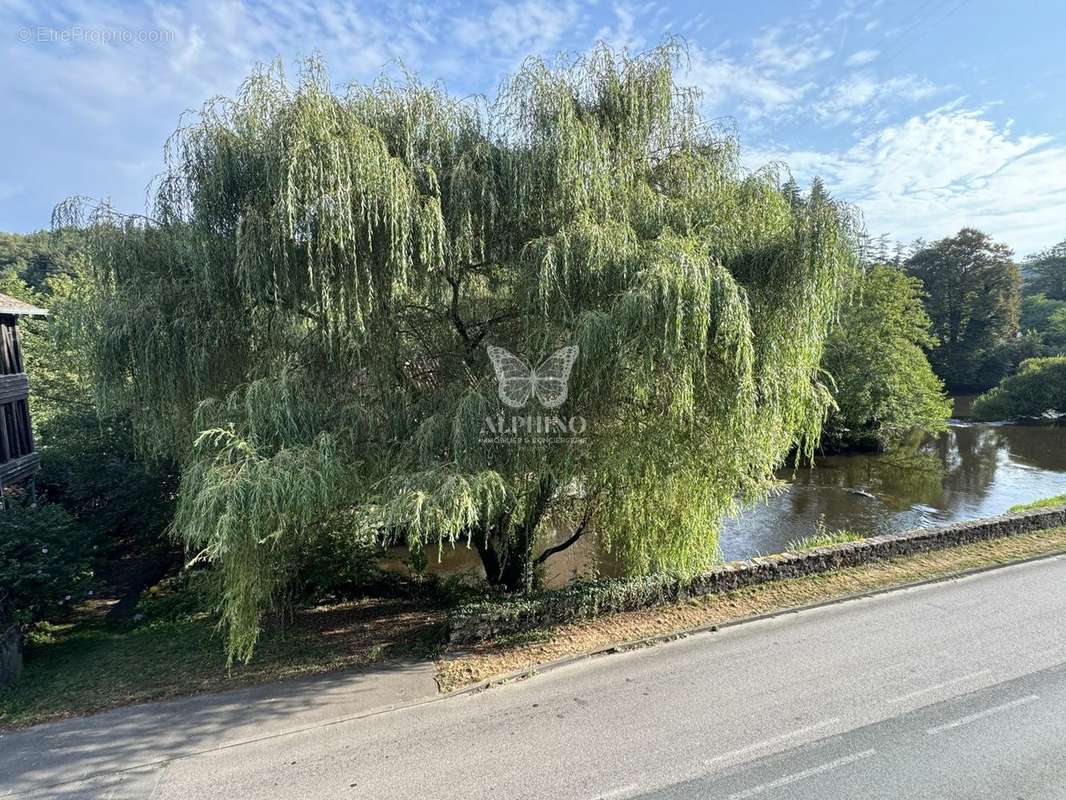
<point x="548" y="666"/>
<point x="627" y="645"/>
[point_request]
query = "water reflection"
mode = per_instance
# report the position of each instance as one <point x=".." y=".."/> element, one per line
<point x="972" y="470"/>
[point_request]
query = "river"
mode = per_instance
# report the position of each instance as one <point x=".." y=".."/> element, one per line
<point x="972" y="470"/>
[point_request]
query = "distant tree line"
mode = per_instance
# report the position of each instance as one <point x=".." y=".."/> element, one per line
<point x="989" y="315"/>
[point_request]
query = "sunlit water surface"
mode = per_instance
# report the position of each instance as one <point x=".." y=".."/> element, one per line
<point x="972" y="470"/>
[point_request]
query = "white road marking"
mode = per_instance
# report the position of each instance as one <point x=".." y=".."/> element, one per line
<point x="799" y="776"/>
<point x="945" y="684"/>
<point x="947" y="726"/>
<point x="629" y="788"/>
<point x="766" y="743"/>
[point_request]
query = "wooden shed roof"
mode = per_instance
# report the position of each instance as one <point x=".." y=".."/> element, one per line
<point x="9" y="305"/>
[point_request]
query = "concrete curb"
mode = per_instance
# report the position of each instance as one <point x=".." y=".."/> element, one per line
<point x="683" y="633"/>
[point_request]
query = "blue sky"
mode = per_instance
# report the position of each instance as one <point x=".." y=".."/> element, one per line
<point x="926" y="114"/>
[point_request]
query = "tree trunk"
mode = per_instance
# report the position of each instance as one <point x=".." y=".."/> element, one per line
<point x="508" y="559"/>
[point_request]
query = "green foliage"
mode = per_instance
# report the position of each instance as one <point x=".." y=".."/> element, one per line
<point x="1046" y="272"/>
<point x="1039" y="386"/>
<point x="823" y="538"/>
<point x="88" y="466"/>
<point x="577" y="601"/>
<point x="35" y="258"/>
<point x="590" y="599"/>
<point x="884" y="386"/>
<point x="1056" y="335"/>
<point x="303" y="322"/>
<point x="1046" y="320"/>
<point x="972" y="297"/>
<point x="1006" y="357"/>
<point x="1037" y="311"/>
<point x="53" y="354"/>
<point x="44" y="561"/>
<point x="1047" y="502"/>
<point x="88" y="462"/>
<point x="191" y="594"/>
<point x="332" y="567"/>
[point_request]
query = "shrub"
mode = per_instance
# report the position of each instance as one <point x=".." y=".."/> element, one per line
<point x="1038" y="387"/>
<point x="44" y="561"/>
<point x="333" y="565"/>
<point x="189" y="594"/>
<point x="88" y="468"/>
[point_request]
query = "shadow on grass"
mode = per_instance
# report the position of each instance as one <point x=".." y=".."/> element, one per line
<point x="97" y="665"/>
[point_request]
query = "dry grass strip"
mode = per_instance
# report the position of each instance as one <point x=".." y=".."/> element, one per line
<point x="496" y="658"/>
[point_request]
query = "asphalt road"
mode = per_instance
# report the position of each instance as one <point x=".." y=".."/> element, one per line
<point x="951" y="690"/>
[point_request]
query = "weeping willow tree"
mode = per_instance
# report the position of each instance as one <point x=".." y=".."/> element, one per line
<point x="303" y="320"/>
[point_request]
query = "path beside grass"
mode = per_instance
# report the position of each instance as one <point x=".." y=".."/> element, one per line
<point x="96" y="665"/>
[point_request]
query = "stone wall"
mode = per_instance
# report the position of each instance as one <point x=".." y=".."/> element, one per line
<point x="480" y="621"/>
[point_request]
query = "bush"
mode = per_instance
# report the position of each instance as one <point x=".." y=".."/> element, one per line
<point x="1045" y="319"/>
<point x="332" y="565"/>
<point x="189" y="594"/>
<point x="1038" y="387"/>
<point x="88" y="468"/>
<point x="583" y="600"/>
<point x="1007" y="357"/>
<point x="44" y="562"/>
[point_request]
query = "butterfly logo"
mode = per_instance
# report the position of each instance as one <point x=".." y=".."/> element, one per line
<point x="518" y="382"/>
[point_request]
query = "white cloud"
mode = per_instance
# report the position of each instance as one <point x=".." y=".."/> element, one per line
<point x="933" y="174"/>
<point x="624" y="33"/>
<point x="860" y="57"/>
<point x="532" y="26"/>
<point x="729" y="86"/>
<point x="786" y="58"/>
<point x="92" y="118"/>
<point x="860" y="97"/>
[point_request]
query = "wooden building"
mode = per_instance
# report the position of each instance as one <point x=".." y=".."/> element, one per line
<point x="18" y="456"/>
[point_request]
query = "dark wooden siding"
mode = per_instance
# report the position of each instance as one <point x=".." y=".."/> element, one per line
<point x="10" y="349"/>
<point x="17" y="457"/>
